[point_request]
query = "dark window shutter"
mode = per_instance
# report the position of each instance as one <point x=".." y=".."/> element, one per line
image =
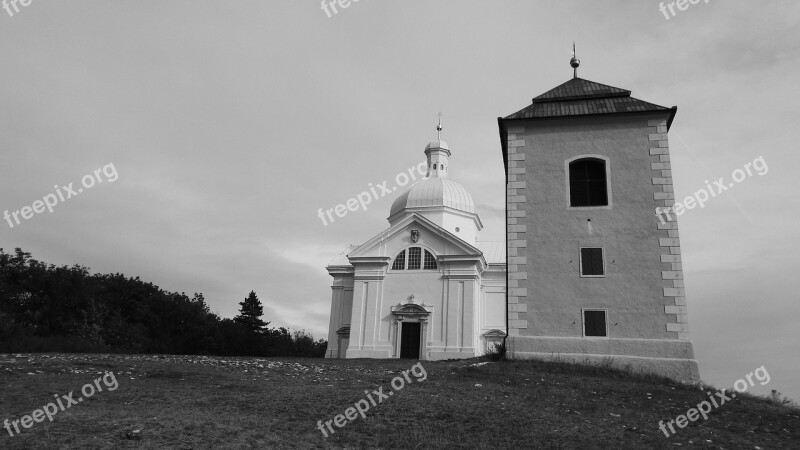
<point x="594" y="323"/>
<point x="597" y="261"/>
<point x="578" y="193"/>
<point x="592" y="261"/>
<point x="578" y="189"/>
<point x="586" y="262"/>
<point x="587" y="183"/>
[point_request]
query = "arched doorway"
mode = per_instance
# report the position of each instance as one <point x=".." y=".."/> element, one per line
<point x="411" y="327"/>
<point x="410" y="339"/>
<point x="343" y="336"/>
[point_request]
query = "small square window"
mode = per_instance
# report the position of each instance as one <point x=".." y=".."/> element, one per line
<point x="594" y="323"/>
<point x="592" y="264"/>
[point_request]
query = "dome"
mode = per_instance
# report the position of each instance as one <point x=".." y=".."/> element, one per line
<point x="433" y="192"/>
<point x="439" y="199"/>
<point x="438" y="144"/>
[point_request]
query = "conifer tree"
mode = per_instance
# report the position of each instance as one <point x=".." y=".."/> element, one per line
<point x="250" y="314"/>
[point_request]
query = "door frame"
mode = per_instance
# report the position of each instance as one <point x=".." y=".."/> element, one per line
<point x="412" y="313"/>
<point x="401" y="329"/>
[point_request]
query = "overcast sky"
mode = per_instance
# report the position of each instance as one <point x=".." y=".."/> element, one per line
<point x="229" y="125"/>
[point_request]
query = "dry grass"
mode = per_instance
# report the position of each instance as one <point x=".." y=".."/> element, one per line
<point x="197" y="402"/>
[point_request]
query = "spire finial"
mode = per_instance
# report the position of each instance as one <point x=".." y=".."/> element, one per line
<point x="439" y="127"/>
<point x="574" y="62"/>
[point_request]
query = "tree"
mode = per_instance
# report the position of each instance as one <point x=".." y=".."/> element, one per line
<point x="250" y="314"/>
<point x="46" y="308"/>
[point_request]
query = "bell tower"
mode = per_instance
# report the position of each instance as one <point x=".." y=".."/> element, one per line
<point x="593" y="273"/>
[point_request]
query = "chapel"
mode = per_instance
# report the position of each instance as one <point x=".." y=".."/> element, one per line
<point x="425" y="287"/>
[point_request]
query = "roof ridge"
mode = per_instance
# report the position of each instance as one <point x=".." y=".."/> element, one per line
<point x="581" y="97"/>
<point x="580" y="88"/>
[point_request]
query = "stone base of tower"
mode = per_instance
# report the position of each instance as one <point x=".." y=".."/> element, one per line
<point x="673" y="359"/>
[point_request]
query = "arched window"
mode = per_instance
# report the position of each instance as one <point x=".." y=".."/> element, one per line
<point x="400" y="261"/>
<point x="415" y="260"/>
<point x="430" y="261"/>
<point x="587" y="182"/>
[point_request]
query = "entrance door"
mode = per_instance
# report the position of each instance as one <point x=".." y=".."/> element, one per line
<point x="409" y="341"/>
<point x="343" y="343"/>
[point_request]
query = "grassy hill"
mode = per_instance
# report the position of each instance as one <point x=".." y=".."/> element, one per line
<point x="202" y="402"/>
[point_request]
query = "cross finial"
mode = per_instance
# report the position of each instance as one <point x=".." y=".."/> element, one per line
<point x="439" y="127"/>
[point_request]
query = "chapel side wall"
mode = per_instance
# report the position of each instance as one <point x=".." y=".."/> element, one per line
<point x="461" y="293"/>
<point x="333" y="342"/>
<point x="362" y="333"/>
<point x="341" y="306"/>
<point x="493" y="300"/>
<point x="643" y="287"/>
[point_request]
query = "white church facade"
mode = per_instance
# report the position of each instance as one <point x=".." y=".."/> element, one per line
<point x="425" y="287"/>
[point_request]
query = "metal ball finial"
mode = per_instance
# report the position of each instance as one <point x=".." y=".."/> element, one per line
<point x="574" y="62"/>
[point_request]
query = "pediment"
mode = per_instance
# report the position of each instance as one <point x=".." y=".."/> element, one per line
<point x="384" y="244"/>
<point x="496" y="334"/>
<point x="411" y="309"/>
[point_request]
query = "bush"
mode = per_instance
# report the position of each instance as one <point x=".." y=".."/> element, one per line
<point x="497" y="352"/>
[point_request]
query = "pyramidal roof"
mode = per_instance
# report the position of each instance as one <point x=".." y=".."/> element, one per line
<point x="579" y="97"/>
<point x="578" y="88"/>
